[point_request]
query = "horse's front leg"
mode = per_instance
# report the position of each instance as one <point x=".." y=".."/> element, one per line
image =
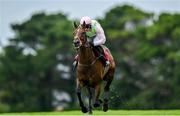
<point x="78" y="92"/>
<point x="98" y="101"/>
<point x="90" y="99"/>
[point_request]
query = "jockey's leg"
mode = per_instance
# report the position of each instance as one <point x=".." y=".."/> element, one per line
<point x="100" y="52"/>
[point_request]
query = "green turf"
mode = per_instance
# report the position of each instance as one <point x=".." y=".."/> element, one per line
<point x="110" y="112"/>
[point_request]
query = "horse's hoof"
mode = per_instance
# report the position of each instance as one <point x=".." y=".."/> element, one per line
<point x="84" y="110"/>
<point x="105" y="107"/>
<point x="97" y="103"/>
<point x="90" y="112"/>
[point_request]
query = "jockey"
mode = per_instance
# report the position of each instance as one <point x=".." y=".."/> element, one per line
<point x="96" y="35"/>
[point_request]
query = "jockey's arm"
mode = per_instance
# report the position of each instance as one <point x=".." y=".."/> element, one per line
<point x="100" y="36"/>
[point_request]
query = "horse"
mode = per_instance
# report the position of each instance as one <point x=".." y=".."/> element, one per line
<point x="90" y="72"/>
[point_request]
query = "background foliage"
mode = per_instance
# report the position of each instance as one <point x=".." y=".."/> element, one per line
<point x="35" y="68"/>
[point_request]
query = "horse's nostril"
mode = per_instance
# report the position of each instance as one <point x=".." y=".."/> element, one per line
<point x="76" y="43"/>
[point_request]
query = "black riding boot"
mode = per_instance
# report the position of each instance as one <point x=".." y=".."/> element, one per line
<point x="103" y="60"/>
<point x="99" y="50"/>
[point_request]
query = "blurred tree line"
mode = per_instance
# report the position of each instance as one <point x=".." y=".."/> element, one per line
<point x="35" y="67"/>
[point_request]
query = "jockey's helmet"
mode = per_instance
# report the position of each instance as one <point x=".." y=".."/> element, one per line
<point x="85" y="19"/>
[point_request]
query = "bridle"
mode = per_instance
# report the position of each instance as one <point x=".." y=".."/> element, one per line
<point x="78" y="43"/>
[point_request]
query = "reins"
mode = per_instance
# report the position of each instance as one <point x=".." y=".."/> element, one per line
<point x="93" y="62"/>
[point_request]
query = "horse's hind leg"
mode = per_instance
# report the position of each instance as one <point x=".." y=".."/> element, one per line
<point x="78" y="91"/>
<point x="106" y="95"/>
<point x="108" y="80"/>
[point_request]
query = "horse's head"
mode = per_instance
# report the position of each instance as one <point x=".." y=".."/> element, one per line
<point x="80" y="38"/>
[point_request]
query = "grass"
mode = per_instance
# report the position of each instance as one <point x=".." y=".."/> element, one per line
<point x="110" y="112"/>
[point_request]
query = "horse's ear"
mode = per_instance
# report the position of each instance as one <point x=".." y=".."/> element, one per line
<point x="75" y="25"/>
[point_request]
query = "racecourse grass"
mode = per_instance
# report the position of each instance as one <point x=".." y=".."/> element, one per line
<point x="110" y="112"/>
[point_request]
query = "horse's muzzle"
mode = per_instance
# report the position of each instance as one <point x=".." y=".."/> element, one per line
<point x="76" y="43"/>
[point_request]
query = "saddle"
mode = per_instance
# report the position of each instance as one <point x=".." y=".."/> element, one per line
<point x="103" y="51"/>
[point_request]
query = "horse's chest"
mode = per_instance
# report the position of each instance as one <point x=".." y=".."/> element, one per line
<point x="88" y="76"/>
<point x="86" y="72"/>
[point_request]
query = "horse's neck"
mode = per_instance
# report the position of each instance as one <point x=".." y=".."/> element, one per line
<point x="86" y="55"/>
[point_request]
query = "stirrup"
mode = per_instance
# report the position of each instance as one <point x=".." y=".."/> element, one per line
<point x="107" y="63"/>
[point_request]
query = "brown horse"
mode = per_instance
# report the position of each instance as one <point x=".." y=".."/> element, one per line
<point x="91" y="72"/>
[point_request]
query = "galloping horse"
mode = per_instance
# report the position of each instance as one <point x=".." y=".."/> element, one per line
<point x="90" y="71"/>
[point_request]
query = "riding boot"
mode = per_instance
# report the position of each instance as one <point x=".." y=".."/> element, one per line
<point x="104" y="61"/>
<point x="99" y="50"/>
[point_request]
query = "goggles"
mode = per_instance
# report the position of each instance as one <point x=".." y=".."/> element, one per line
<point x="88" y="26"/>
